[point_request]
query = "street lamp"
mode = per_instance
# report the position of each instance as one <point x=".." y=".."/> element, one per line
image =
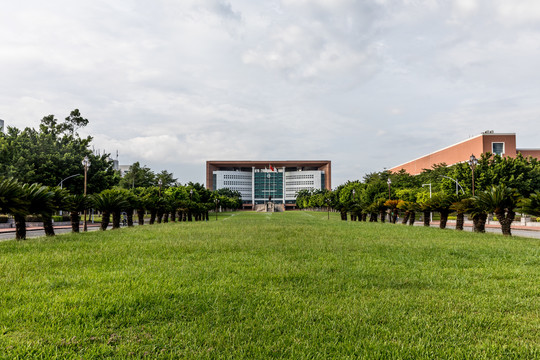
<point x="389" y="182"/>
<point x="457" y="184"/>
<point x="86" y="164"/>
<point x="217" y="202"/>
<point x="473" y="161"/>
<point x="353" y="194"/>
<point x="62" y="183"/>
<point x="160" y="182"/>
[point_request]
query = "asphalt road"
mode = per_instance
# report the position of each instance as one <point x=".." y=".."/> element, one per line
<point x="37" y="233"/>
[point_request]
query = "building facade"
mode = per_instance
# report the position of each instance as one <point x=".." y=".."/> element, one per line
<point x="488" y="141"/>
<point x="261" y="181"/>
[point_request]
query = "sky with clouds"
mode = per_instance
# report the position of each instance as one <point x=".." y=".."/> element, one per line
<point x="366" y="84"/>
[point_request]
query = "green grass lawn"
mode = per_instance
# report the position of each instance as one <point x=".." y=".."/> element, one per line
<point x="258" y="286"/>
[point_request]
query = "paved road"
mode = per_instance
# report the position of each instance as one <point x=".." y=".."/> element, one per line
<point x="32" y="233"/>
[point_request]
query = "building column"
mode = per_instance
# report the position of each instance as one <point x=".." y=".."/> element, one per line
<point x="253" y="186"/>
<point x="284" y="189"/>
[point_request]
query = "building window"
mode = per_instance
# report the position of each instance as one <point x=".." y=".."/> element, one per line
<point x="497" y="148"/>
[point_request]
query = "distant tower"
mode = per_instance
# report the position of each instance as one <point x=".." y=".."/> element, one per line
<point x="115" y="162"/>
<point x="1" y="125"/>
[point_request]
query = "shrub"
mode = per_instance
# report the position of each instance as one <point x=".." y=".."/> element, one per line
<point x="3" y="219"/>
<point x="34" y="218"/>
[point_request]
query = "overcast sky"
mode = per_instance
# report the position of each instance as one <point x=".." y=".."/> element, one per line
<point x="366" y="84"/>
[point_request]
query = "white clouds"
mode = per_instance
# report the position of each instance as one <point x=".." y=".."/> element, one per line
<point x="181" y="82"/>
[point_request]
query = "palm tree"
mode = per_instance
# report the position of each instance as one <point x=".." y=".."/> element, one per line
<point x="531" y="205"/>
<point x="38" y="200"/>
<point x="502" y="201"/>
<point x="442" y="202"/>
<point x="12" y="201"/>
<point x="392" y="206"/>
<point x="109" y="202"/>
<point x="426" y="206"/>
<point x="380" y="207"/>
<point x="477" y="212"/>
<point x="76" y="204"/>
<point x="10" y="195"/>
<point x="460" y="207"/>
<point x="58" y="201"/>
<point x="141" y="202"/>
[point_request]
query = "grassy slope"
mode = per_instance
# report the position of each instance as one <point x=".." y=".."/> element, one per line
<point x="288" y="285"/>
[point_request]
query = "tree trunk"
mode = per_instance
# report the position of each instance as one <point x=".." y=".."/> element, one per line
<point x="140" y="215"/>
<point x="479" y="222"/>
<point x="373" y="217"/>
<point x="364" y="217"/>
<point x="129" y="213"/>
<point x="207" y="216"/>
<point x="460" y="219"/>
<point x="427" y="218"/>
<point x="173" y="216"/>
<point x="20" y="227"/>
<point x="48" y="225"/>
<point x="506" y="219"/>
<point x="343" y="214"/>
<point x="382" y="215"/>
<point x="152" y="216"/>
<point x="444" y="218"/>
<point x="116" y="219"/>
<point x="352" y="217"/>
<point x="74" y="217"/>
<point x="105" y="219"/>
<point x="159" y="216"/>
<point x="406" y="217"/>
<point x="189" y="216"/>
<point x="412" y="218"/>
<point x="395" y="216"/>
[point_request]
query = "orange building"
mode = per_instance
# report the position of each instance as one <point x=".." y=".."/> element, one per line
<point x="488" y="141"/>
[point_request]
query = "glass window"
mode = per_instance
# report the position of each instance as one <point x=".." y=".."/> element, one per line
<point x="497" y="148"/>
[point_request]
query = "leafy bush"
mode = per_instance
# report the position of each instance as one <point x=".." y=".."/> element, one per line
<point x="34" y="218"/>
<point x="3" y="219"/>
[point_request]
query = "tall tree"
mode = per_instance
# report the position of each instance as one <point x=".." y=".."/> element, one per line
<point x="138" y="176"/>
<point x="52" y="153"/>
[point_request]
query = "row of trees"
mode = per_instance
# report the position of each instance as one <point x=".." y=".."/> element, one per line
<point x="185" y="203"/>
<point x="54" y="151"/>
<point x="504" y="186"/>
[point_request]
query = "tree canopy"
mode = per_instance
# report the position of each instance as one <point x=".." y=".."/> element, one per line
<point x="53" y="152"/>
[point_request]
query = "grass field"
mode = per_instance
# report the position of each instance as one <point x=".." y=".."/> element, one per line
<point x="258" y="286"/>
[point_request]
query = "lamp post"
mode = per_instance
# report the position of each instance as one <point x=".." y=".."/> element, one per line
<point x="86" y="164"/>
<point x="473" y="161"/>
<point x="353" y="194"/>
<point x="217" y="202"/>
<point x="389" y="182"/>
<point x="457" y="184"/>
<point x="61" y="183"/>
<point x="160" y="182"/>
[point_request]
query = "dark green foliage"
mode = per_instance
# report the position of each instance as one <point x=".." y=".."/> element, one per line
<point x="52" y="153"/>
<point x="531" y="205"/>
